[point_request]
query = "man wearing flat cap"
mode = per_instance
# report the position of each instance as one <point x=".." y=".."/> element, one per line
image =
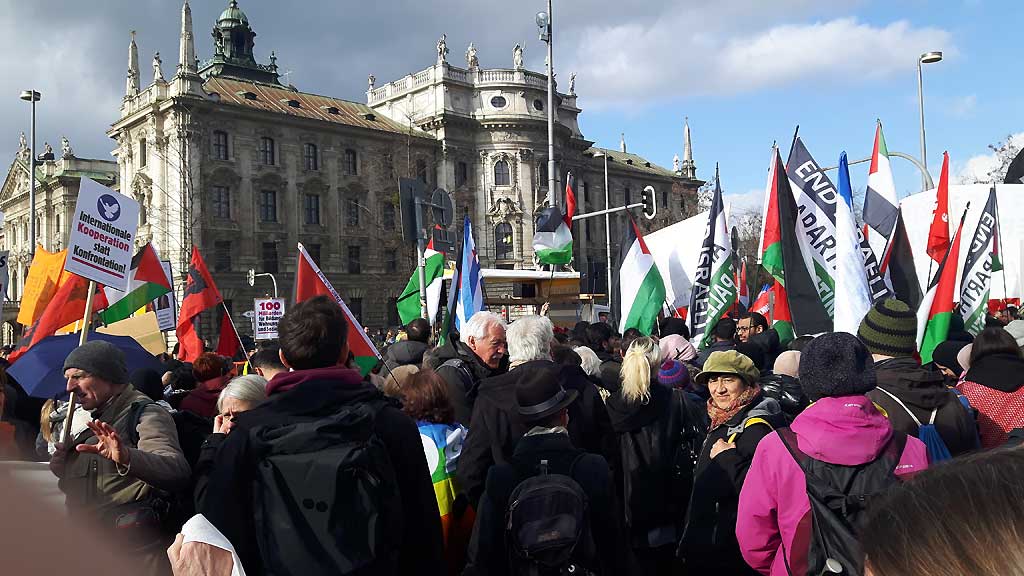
<point x="543" y="401"/>
<point x="121" y="470"/>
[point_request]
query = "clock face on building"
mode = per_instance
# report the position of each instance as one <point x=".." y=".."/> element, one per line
<point x="499" y="102"/>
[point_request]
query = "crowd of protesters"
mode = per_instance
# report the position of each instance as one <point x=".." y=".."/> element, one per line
<point x="524" y="449"/>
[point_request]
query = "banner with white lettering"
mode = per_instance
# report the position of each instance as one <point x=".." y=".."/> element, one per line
<point x="816" y="199"/>
<point x="976" y="282"/>
<point x="101" y="241"/>
<point x="166" y="306"/>
<point x="268" y="312"/>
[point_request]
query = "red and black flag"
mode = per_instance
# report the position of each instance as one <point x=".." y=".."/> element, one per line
<point x="200" y="294"/>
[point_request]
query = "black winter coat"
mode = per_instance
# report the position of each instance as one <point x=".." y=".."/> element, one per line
<point x="922" y="391"/>
<point x="709" y="543"/>
<point x="405" y="352"/>
<point x="488" y="555"/>
<point x="463" y="385"/>
<point x="649" y="435"/>
<point x="497" y="426"/>
<point x="227" y="497"/>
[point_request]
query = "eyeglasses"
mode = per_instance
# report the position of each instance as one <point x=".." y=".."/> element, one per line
<point x="743" y="328"/>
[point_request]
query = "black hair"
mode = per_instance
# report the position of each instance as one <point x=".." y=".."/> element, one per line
<point x="756" y="319"/>
<point x="598" y="335"/>
<point x="725" y="329"/>
<point x="313" y="333"/>
<point x="800" y="342"/>
<point x="418" y="330"/>
<point x="993" y="341"/>
<point x="671" y="325"/>
<point x="267" y="357"/>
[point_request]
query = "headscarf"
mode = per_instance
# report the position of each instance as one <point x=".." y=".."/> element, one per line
<point x="720" y="416"/>
<point x="675" y="347"/>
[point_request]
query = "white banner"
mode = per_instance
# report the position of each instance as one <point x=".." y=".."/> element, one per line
<point x="268" y="312"/>
<point x="166" y="306"/>
<point x="101" y="242"/>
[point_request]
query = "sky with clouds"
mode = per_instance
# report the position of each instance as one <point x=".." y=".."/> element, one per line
<point x="745" y="72"/>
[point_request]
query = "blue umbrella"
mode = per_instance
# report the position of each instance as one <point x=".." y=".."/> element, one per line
<point x="40" y="370"/>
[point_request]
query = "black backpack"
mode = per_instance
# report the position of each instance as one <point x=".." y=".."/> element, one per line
<point x="547" y="527"/>
<point x="839" y="497"/>
<point x="326" y="498"/>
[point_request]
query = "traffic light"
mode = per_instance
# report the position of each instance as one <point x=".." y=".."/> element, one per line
<point x="650" y="202"/>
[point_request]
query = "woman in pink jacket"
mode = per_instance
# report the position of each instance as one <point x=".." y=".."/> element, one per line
<point x="842" y="427"/>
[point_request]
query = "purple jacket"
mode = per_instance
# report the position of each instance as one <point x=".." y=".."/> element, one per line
<point x="773" y="502"/>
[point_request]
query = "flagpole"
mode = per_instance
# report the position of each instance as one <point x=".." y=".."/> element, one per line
<point x="227" y="316"/>
<point x="82" y="337"/>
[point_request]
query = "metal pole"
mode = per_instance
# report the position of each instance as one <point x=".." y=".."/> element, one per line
<point x="421" y="265"/>
<point x="32" y="184"/>
<point x="607" y="237"/>
<point x="82" y="337"/>
<point x="920" y="105"/>
<point x="552" y="176"/>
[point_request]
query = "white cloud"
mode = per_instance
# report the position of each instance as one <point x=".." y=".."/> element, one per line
<point x="962" y="106"/>
<point x="978" y="167"/>
<point x="637" y="63"/>
<point x="741" y="203"/>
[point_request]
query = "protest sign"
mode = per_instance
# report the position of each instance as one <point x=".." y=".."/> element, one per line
<point x="268" y="312"/>
<point x="101" y="242"/>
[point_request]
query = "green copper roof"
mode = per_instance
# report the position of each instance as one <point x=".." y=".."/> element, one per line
<point x="233" y="13"/>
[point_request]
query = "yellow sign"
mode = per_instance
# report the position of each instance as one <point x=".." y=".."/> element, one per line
<point x="41" y="284"/>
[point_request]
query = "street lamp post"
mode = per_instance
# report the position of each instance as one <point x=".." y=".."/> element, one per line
<point x="926" y="58"/>
<point x="544" y="24"/>
<point x="32" y="96"/>
<point x="607" y="232"/>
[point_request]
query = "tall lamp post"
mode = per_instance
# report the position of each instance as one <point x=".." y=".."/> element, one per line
<point x="544" y="24"/>
<point x="607" y="232"/>
<point x="926" y="58"/>
<point x="33" y="97"/>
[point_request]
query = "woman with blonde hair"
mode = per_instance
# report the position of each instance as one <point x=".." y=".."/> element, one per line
<point x="658" y="432"/>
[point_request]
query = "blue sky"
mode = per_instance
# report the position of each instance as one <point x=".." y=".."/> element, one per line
<point x="746" y="72"/>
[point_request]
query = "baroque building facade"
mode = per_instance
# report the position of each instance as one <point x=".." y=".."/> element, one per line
<point x="222" y="155"/>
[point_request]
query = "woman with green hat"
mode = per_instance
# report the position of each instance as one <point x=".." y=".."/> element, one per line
<point x="740" y="417"/>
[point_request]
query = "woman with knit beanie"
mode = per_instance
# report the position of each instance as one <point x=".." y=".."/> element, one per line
<point x="740" y="417"/>
<point x="843" y="428"/>
<point x="658" y="432"/>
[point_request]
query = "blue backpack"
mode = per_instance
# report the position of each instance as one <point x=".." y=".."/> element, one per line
<point x="927" y="433"/>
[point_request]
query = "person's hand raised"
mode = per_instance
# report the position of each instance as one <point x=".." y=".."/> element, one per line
<point x="110" y="445"/>
<point x="222" y="424"/>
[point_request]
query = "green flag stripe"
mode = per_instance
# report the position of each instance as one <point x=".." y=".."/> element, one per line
<point x="132" y="301"/>
<point x="935" y="332"/>
<point x="772" y="261"/>
<point x="649" y="300"/>
<point x="560" y="255"/>
<point x="409" y="302"/>
<point x="721" y="296"/>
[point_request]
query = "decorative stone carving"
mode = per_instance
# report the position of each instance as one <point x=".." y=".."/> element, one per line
<point x="23" y="151"/>
<point x="572" y="84"/>
<point x="471" y="58"/>
<point x="517" y="57"/>
<point x="442" y="49"/>
<point x="371" y="80"/>
<point x="504" y="210"/>
<point x="65" y="148"/>
<point x="158" y="74"/>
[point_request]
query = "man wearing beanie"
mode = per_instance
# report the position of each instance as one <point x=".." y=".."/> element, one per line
<point x="122" y="468"/>
<point x="842" y="427"/>
<point x="909" y="393"/>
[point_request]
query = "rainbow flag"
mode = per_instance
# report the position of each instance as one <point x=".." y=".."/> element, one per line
<point x="442" y="444"/>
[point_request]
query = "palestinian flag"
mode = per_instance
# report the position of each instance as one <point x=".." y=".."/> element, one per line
<point x="880" y="205"/>
<point x="310" y="282"/>
<point x="409" y="302"/>
<point x="714" y="288"/>
<point x="938" y="233"/>
<point x="200" y="294"/>
<point x="936" y="311"/>
<point x="798" y="308"/>
<point x="146" y="281"/>
<point x="640" y="285"/>
<point x="553" y="241"/>
<point x="742" y="293"/>
<point x="898" y="266"/>
<point x="976" y="281"/>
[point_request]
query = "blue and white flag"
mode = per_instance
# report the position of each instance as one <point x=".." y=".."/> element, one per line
<point x="471" y="296"/>
<point x="851" y="282"/>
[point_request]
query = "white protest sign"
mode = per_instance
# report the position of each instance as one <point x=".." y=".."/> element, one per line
<point x="102" y="236"/>
<point x="4" y="275"/>
<point x="268" y="312"/>
<point x="166" y="306"/>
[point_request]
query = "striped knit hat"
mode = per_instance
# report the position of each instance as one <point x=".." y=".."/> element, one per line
<point x="889" y="329"/>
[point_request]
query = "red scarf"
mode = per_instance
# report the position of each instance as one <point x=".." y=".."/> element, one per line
<point x="720" y="416"/>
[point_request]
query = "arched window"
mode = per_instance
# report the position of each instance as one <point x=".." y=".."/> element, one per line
<point x="309" y="157"/>
<point x="503" y="241"/>
<point x="267" y="151"/>
<point x="501" y="173"/>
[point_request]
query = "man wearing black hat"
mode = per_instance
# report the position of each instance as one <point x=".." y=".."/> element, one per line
<point x="911" y="394"/>
<point x="543" y="403"/>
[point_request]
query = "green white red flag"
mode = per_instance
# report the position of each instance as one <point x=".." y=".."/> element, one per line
<point x="936" y="311"/>
<point x="640" y="284"/>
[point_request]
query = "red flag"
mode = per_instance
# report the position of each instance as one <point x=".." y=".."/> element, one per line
<point x="66" y="307"/>
<point x="227" y="345"/>
<point x="938" y="234"/>
<point x="743" y="294"/>
<point x="762" y="304"/>
<point x="570" y="200"/>
<point x="200" y="293"/>
<point x="310" y="282"/>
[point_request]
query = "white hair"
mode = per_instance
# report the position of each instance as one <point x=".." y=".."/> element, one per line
<point x="251" y="388"/>
<point x="478" y="324"/>
<point x="529" y="338"/>
<point x="591" y="363"/>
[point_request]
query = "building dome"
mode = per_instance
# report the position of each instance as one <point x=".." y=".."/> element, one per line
<point x="232" y="16"/>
